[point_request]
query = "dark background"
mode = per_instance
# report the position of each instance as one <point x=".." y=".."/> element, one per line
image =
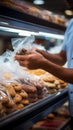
<point x="57" y="6"/>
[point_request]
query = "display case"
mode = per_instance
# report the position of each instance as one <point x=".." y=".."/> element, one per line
<point x="15" y="24"/>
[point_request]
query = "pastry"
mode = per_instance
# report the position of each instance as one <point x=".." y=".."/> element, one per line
<point x="18" y="106"/>
<point x="51" y="91"/>
<point x="25" y="102"/>
<point x="5" y="100"/>
<point x="16" y="86"/>
<point x="7" y="75"/>
<point x="63" y="85"/>
<point x="48" y="79"/>
<point x="33" y="95"/>
<point x="11" y="90"/>
<point x="10" y="104"/>
<point x="52" y="116"/>
<point x="29" y="89"/>
<point x="8" y="110"/>
<point x="22" y="52"/>
<point x="17" y="98"/>
<point x="23" y="94"/>
<point x="37" y="72"/>
<point x="50" y="85"/>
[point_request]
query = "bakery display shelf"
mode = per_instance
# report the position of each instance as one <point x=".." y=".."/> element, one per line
<point x="34" y="112"/>
<point x="12" y="13"/>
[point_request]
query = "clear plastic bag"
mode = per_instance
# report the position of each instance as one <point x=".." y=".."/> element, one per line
<point x="21" y="87"/>
<point x="20" y="43"/>
<point x="6" y="102"/>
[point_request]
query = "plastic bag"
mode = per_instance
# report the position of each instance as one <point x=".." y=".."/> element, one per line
<point x="35" y="81"/>
<point x="6" y="102"/>
<point x="20" y="43"/>
<point x="23" y="88"/>
<point x="12" y="95"/>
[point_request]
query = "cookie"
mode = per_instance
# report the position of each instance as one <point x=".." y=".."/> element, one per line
<point x="10" y="104"/>
<point x="25" y="102"/>
<point x="18" y="106"/>
<point x="17" y="98"/>
<point x="29" y="89"/>
<point x="33" y="95"/>
<point x="5" y="100"/>
<point x="11" y="90"/>
<point x="23" y="94"/>
<point x="16" y="86"/>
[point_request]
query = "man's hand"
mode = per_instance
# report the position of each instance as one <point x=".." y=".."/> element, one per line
<point x="31" y="60"/>
<point x="57" y="58"/>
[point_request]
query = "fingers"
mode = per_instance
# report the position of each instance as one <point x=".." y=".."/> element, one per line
<point x="20" y="57"/>
<point x="37" y="50"/>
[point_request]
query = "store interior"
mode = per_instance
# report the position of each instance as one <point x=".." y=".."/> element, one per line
<point x="32" y="99"/>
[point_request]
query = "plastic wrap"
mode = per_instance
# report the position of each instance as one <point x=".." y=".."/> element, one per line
<point x="6" y="102"/>
<point x="22" y="43"/>
<point x="17" y="86"/>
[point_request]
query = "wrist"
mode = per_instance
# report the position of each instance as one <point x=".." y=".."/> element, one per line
<point x="44" y="63"/>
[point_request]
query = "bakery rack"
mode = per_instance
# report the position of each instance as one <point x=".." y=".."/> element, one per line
<point x="34" y="112"/>
<point x="32" y="20"/>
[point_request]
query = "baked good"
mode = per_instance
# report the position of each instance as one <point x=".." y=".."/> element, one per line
<point x="23" y="94"/>
<point x="11" y="90"/>
<point x="48" y="79"/>
<point x="10" y="104"/>
<point x="63" y="85"/>
<point x="8" y="110"/>
<point x="7" y="75"/>
<point x="50" y="85"/>
<point x="51" y="116"/>
<point x="29" y="89"/>
<point x="16" y="86"/>
<point x="18" y="106"/>
<point x="17" y="98"/>
<point x="25" y="102"/>
<point x="37" y="72"/>
<point x="33" y="95"/>
<point x="22" y="52"/>
<point x="5" y="100"/>
<point x="4" y="109"/>
<point x="15" y="5"/>
<point x="51" y="91"/>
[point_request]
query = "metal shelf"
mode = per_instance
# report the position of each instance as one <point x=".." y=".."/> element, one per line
<point x="65" y="125"/>
<point x="15" y="14"/>
<point x="34" y="112"/>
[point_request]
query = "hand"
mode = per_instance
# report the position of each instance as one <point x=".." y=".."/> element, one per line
<point x="43" y="52"/>
<point x="32" y="60"/>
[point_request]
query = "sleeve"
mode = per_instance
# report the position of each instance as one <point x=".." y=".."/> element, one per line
<point x="66" y="35"/>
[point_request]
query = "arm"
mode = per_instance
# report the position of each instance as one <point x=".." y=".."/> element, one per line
<point x="36" y="60"/>
<point x="65" y="74"/>
<point x="59" y="58"/>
